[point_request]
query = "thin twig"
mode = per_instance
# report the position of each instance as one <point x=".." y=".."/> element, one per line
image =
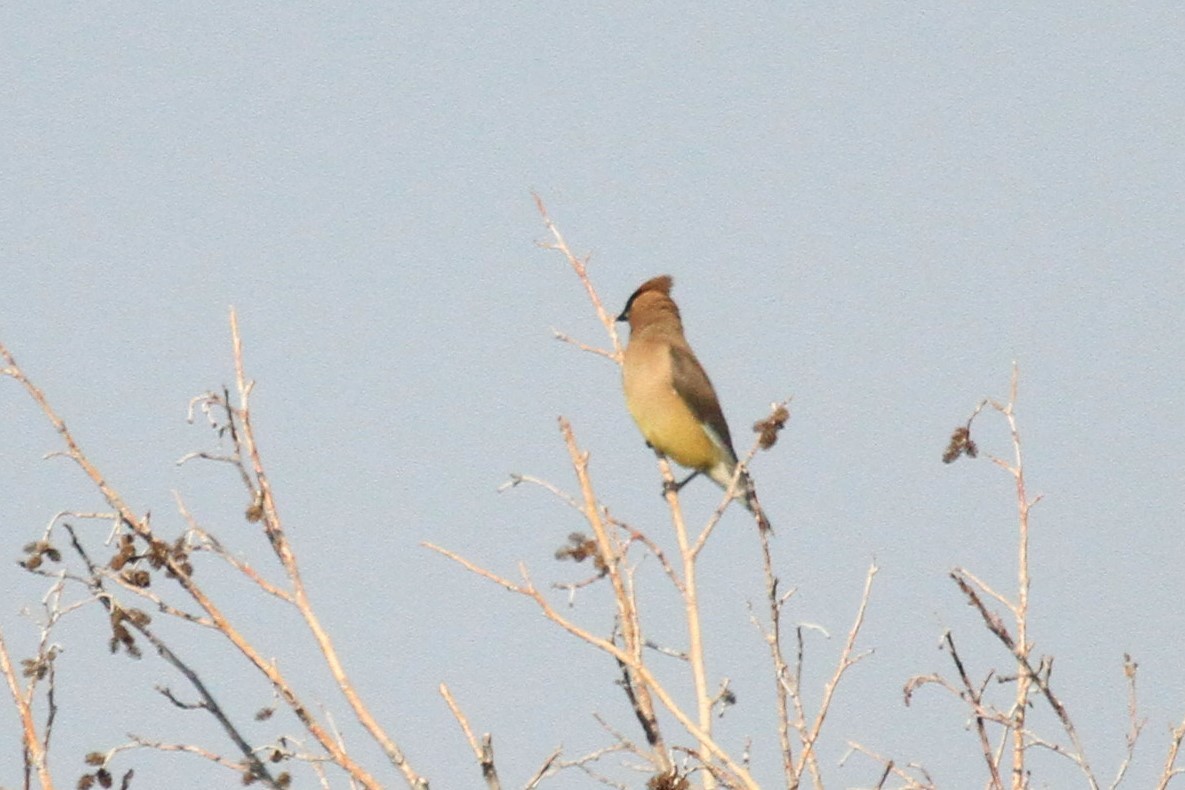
<point x="544" y="770"/>
<point x="627" y="612"/>
<point x="975" y="697"/>
<point x="1135" y="723"/>
<point x="483" y="751"/>
<point x="35" y="758"/>
<point x="581" y="268"/>
<point x="177" y="570"/>
<point x="846" y="660"/>
<point x="891" y="767"/>
<point x="284" y="553"/>
<point x="528" y="589"/>
<point x="208" y="702"/>
<point x="691" y="612"/>
<point x="1170" y="761"/>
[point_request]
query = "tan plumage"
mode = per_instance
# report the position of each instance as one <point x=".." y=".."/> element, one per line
<point x="670" y="396"/>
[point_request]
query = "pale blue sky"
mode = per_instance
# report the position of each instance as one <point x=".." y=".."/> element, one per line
<point x="872" y="207"/>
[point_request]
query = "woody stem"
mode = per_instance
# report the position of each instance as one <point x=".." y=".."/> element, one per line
<point x="695" y="647"/>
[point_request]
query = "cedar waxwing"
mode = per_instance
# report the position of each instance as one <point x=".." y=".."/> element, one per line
<point x="669" y="394"/>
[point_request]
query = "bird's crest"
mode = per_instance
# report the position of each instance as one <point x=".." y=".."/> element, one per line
<point x="661" y="284"/>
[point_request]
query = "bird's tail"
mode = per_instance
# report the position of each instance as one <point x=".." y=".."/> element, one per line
<point x="749" y="497"/>
<point x="744" y="492"/>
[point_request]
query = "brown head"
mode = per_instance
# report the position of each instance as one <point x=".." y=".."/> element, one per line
<point x="651" y="302"/>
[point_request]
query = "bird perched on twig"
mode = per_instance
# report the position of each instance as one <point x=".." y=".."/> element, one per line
<point x="670" y="396"/>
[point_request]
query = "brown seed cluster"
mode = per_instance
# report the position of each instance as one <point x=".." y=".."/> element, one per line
<point x="669" y="780"/>
<point x="101" y="777"/>
<point x="580" y="547"/>
<point x="173" y="558"/>
<point x="121" y="634"/>
<point x="251" y="774"/>
<point x="36" y="553"/>
<point x="771" y="426"/>
<point x="960" y="444"/>
<point x="254" y="512"/>
<point x="125" y="554"/>
<point x="36" y="668"/>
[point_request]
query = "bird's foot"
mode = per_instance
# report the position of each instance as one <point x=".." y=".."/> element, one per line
<point x="674" y="487"/>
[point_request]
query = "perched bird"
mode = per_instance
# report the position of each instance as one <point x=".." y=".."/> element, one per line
<point x="670" y="397"/>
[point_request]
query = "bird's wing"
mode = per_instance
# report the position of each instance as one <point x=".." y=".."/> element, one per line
<point x="694" y="387"/>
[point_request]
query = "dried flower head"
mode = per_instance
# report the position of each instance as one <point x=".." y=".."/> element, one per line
<point x="771" y="426"/>
<point x="960" y="444"/>
<point x="669" y="780"/>
<point x="255" y="509"/>
<point x="580" y="547"/>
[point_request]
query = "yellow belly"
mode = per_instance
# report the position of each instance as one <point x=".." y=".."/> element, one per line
<point x="670" y="428"/>
<point x="686" y="443"/>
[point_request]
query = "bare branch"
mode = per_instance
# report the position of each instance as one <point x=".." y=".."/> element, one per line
<point x="891" y="767"/>
<point x="275" y="534"/>
<point x="483" y="751"/>
<point x="35" y="758"/>
<point x="208" y="703"/>
<point x="1170" y="761"/>
<point x="643" y="672"/>
<point x="580" y="266"/>
<point x="846" y="660"/>
<point x="584" y="347"/>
